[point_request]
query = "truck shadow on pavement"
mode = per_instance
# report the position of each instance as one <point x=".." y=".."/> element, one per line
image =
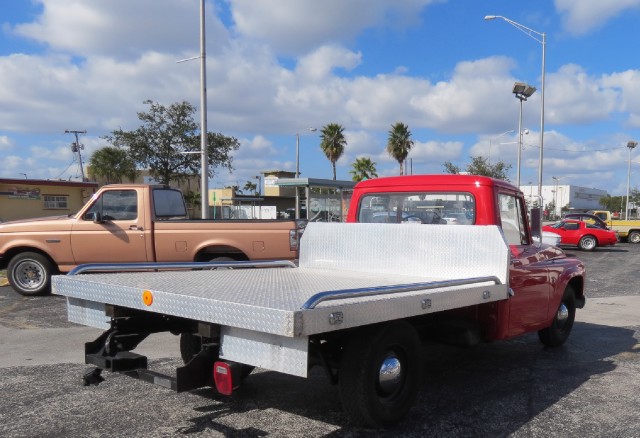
<point x="489" y="390"/>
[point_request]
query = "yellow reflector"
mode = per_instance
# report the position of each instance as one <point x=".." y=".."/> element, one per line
<point x="147" y="297"/>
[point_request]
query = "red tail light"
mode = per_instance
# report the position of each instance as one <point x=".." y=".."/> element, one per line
<point x="227" y="376"/>
<point x="223" y="377"/>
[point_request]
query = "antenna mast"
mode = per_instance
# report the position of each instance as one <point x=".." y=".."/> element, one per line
<point x="77" y="147"/>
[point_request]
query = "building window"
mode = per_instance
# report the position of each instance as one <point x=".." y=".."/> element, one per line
<point x="56" y="202"/>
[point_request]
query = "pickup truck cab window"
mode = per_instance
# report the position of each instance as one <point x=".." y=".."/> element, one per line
<point x="454" y="208"/>
<point x="115" y="205"/>
<point x="512" y="219"/>
<point x="169" y="204"/>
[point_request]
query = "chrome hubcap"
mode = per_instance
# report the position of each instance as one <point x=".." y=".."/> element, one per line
<point x="390" y="374"/>
<point x="29" y="274"/>
<point x="563" y="315"/>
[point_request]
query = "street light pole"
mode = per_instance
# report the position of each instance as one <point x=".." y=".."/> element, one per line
<point x="630" y="145"/>
<point x="522" y="92"/>
<point x="298" y="151"/>
<point x="204" y="164"/>
<point x="298" y="170"/>
<point x="492" y="139"/>
<point x="543" y="41"/>
<point x="204" y="183"/>
<point x="557" y="211"/>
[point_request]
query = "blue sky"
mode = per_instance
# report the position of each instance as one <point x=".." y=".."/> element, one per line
<point x="277" y="67"/>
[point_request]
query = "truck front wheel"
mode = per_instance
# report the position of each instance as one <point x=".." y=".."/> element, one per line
<point x="29" y="274"/>
<point x="380" y="373"/>
<point x="634" y="237"/>
<point x="558" y="332"/>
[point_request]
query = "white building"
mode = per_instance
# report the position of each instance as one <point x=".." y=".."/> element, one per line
<point x="574" y="198"/>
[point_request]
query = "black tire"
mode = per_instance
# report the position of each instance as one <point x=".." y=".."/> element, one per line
<point x="191" y="344"/>
<point x="222" y="259"/>
<point x="380" y="373"/>
<point x="560" y="329"/>
<point x="29" y="274"/>
<point x="588" y="243"/>
<point x="634" y="237"/>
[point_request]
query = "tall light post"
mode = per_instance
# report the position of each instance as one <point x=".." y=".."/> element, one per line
<point x="298" y="151"/>
<point x="204" y="162"/>
<point x="630" y="145"/>
<point x="555" y="195"/>
<point x="298" y="170"/>
<point x="522" y="92"/>
<point x="542" y="40"/>
<point x="492" y="139"/>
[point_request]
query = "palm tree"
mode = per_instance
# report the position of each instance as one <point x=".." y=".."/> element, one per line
<point x="112" y="164"/>
<point x="363" y="168"/>
<point x="399" y="143"/>
<point x="333" y="143"/>
<point x="251" y="187"/>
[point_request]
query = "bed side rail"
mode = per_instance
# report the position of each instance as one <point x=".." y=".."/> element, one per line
<point x="343" y="294"/>
<point x="151" y="266"/>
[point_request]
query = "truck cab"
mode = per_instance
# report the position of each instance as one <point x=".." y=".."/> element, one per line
<point x="539" y="274"/>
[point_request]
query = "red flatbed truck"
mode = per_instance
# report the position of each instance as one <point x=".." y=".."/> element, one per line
<point x="358" y="304"/>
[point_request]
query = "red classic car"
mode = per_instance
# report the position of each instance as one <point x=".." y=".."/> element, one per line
<point x="586" y="236"/>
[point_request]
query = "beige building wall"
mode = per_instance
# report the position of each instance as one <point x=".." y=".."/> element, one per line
<point x="269" y="183"/>
<point x="26" y="199"/>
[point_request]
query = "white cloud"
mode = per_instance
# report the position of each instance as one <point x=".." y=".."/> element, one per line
<point x="120" y="28"/>
<point x="574" y="97"/>
<point x="320" y="63"/>
<point x="299" y="26"/>
<point x="462" y="103"/>
<point x="5" y="143"/>
<point x="628" y="84"/>
<point x="582" y="16"/>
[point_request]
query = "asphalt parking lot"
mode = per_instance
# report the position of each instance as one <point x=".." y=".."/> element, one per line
<point x="590" y="387"/>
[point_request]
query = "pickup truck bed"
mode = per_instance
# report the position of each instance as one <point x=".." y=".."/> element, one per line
<point x="349" y="275"/>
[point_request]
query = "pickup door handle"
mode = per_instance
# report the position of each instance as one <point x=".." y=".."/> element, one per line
<point x="135" y="228"/>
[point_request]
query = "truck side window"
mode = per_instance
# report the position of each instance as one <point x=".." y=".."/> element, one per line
<point x="115" y="205"/>
<point x="169" y="204"/>
<point x="512" y="219"/>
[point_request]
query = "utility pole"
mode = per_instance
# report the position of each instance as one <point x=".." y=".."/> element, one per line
<point x="77" y="147"/>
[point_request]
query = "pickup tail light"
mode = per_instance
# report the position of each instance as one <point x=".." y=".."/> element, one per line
<point x="296" y="234"/>
<point x="226" y="376"/>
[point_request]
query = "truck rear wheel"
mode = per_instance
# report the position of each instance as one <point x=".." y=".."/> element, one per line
<point x="560" y="329"/>
<point x="634" y="237"/>
<point x="29" y="274"/>
<point x="380" y="373"/>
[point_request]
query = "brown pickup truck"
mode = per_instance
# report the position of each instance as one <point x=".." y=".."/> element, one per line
<point x="133" y="223"/>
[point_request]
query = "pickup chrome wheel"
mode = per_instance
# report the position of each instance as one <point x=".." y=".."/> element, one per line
<point x="634" y="237"/>
<point x="380" y="374"/>
<point x="29" y="274"/>
<point x="588" y="243"/>
<point x="560" y="329"/>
